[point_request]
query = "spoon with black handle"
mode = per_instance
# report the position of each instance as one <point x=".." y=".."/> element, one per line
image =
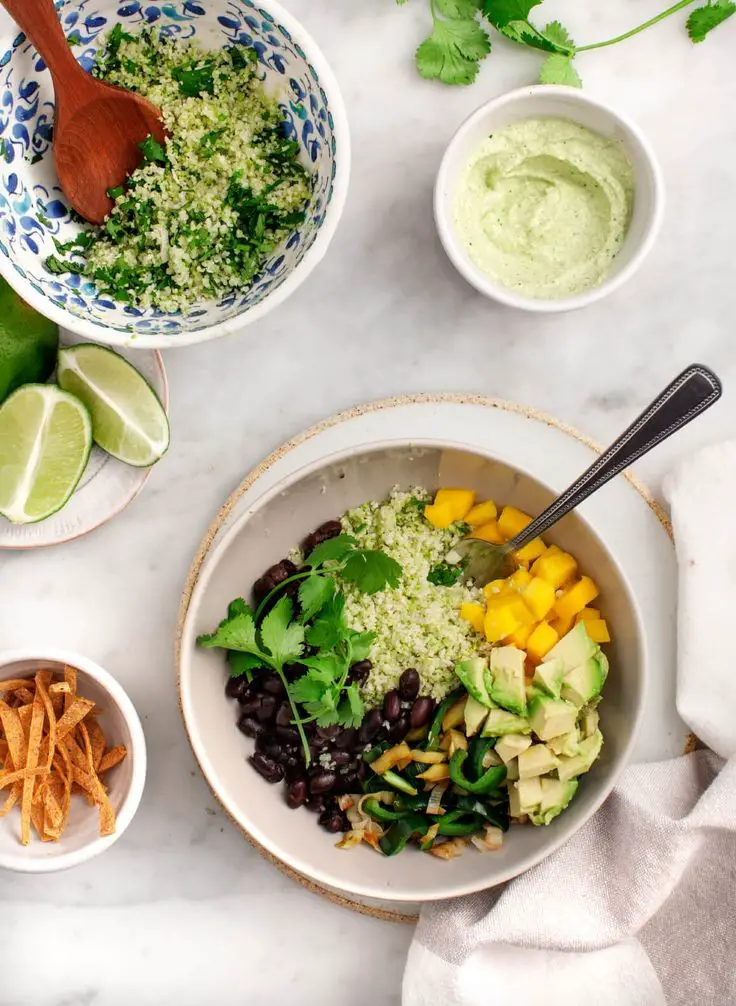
<point x="694" y="391"/>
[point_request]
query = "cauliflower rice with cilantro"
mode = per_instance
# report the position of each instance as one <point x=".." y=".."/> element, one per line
<point x="199" y="218"/>
<point x="417" y="624"/>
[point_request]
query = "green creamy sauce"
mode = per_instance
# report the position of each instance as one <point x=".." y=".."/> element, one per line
<point x="543" y="207"/>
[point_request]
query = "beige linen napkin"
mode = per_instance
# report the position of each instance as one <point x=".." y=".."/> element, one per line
<point x="638" y="908"/>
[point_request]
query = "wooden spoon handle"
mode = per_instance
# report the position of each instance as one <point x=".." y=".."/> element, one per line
<point x="40" y="23"/>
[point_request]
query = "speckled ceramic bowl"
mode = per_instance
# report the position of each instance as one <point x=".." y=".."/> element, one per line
<point x="32" y="208"/>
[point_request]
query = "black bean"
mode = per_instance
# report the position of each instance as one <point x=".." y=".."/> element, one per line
<point x="283" y="715"/>
<point x="273" y="576"/>
<point x="322" y="782"/>
<point x="293" y="768"/>
<point x="252" y="691"/>
<point x="251" y="705"/>
<point x="409" y="685"/>
<point x="288" y="734"/>
<point x="267" y="710"/>
<point x="236" y="687"/>
<point x="351" y="783"/>
<point x="316" y="804"/>
<point x="297" y="793"/>
<point x="330" y="529"/>
<point x="327" y="733"/>
<point x="362" y="771"/>
<point x="273" y="684"/>
<point x="249" y="726"/>
<point x="391" y="706"/>
<point x="269" y="745"/>
<point x="370" y="726"/>
<point x="341" y="758"/>
<point x="270" y="770"/>
<point x="332" y="822"/>
<point x="359" y="672"/>
<point x="421" y="711"/>
<point x="398" y="730"/>
<point x="346" y="739"/>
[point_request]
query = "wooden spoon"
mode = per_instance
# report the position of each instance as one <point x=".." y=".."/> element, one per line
<point x="98" y="127"/>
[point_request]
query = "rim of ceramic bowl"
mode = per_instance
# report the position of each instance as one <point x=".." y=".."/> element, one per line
<point x="495" y="291"/>
<point x="264" y="839"/>
<point x="312" y="257"/>
<point x="17" y="862"/>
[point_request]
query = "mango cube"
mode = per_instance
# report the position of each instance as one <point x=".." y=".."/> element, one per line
<point x="460" y="501"/>
<point x="531" y="551"/>
<point x="576" y="598"/>
<point x="520" y="637"/>
<point x="439" y="515"/>
<point x="475" y="614"/>
<point x="512" y="521"/>
<point x="540" y="642"/>
<point x="587" y="615"/>
<point x="518" y="580"/>
<point x="496" y="587"/>
<point x="539" y="597"/>
<point x="554" y="567"/>
<point x="481" y="513"/>
<point x="505" y="614"/>
<point x="487" y="532"/>
<point x="598" y="630"/>
<point x="562" y="625"/>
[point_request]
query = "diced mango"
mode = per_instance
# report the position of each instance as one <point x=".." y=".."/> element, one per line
<point x="539" y="597"/>
<point x="496" y="587"/>
<point x="512" y="521"/>
<point x="587" y="615"/>
<point x="460" y="501"/>
<point x="556" y="568"/>
<point x="520" y="637"/>
<point x="553" y="550"/>
<point x="519" y="579"/>
<point x="505" y="614"/>
<point x="439" y="515"/>
<point x="487" y="532"/>
<point x="598" y="630"/>
<point x="562" y="625"/>
<point x="540" y="642"/>
<point x="481" y="513"/>
<point x="531" y="551"/>
<point x="576" y="598"/>
<point x="475" y="614"/>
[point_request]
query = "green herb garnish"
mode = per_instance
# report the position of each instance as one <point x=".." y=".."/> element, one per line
<point x="445" y="575"/>
<point x="153" y="151"/>
<point x="194" y="80"/>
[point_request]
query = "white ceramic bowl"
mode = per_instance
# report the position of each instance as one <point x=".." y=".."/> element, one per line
<point x="33" y="211"/>
<point x="281" y="517"/>
<point x="546" y="101"/>
<point x="81" y="840"/>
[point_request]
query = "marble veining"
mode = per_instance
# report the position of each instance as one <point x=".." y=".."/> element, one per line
<point x="182" y="910"/>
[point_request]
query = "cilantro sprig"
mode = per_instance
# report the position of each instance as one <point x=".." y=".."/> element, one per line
<point x="460" y="39"/>
<point x="274" y="636"/>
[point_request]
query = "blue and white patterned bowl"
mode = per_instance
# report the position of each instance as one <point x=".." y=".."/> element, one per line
<point x="33" y="210"/>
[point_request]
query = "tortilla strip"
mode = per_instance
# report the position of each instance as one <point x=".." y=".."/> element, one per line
<point x="24" y="695"/>
<point x="13" y="684"/>
<point x="38" y="715"/>
<point x="4" y="751"/>
<point x="24" y="775"/>
<point x="70" y="678"/>
<point x="60" y="688"/>
<point x="112" y="758"/>
<point x="13" y="730"/>
<point x="97" y="740"/>
<point x="73" y="715"/>
<point x="41" y="689"/>
<point x="13" y="797"/>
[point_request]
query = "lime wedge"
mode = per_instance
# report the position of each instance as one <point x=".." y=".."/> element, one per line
<point x="45" y="440"/>
<point x="128" y="420"/>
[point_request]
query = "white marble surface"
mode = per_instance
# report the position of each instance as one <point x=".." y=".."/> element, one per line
<point x="181" y="910"/>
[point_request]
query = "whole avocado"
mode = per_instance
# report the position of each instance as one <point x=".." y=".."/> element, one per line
<point x="28" y="343"/>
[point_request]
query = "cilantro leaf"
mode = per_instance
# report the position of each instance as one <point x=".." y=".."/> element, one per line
<point x="334" y="549"/>
<point x="502" y="12"/>
<point x="453" y="51"/>
<point x="329" y="627"/>
<point x="559" y="69"/>
<point x="360" y="644"/>
<point x="314" y="593"/>
<point x="704" y="19"/>
<point x="308" y="688"/>
<point x="559" y="35"/>
<point x="526" y="34"/>
<point x="195" y="80"/>
<point x="458" y="9"/>
<point x="153" y="151"/>
<point x="445" y="575"/>
<point x="243" y="663"/>
<point x="234" y="633"/>
<point x="351" y="709"/>
<point x="283" y="638"/>
<point x="371" y="571"/>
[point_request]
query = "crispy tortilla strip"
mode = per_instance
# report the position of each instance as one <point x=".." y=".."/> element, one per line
<point x="24" y="695"/>
<point x="70" y="678"/>
<point x="13" y="684"/>
<point x="13" y="797"/>
<point x="112" y="758"/>
<point x="25" y="713"/>
<point x="60" y="688"/>
<point x="73" y="715"/>
<point x="97" y="740"/>
<point x="16" y="740"/>
<point x="42" y="684"/>
<point x="34" y="747"/>
<point x="24" y="775"/>
<point x="4" y="753"/>
<point x="92" y="785"/>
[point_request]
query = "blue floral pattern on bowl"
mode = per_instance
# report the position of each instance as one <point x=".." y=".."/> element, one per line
<point x="33" y="210"/>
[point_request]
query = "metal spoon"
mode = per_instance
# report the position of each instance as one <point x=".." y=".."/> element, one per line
<point x="98" y="128"/>
<point x="694" y="391"/>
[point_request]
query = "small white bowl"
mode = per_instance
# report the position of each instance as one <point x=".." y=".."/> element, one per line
<point x="546" y="101"/>
<point x="119" y="720"/>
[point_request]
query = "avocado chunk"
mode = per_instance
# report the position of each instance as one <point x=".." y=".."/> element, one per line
<point x="548" y="677"/>
<point x="508" y="688"/>
<point x="567" y="744"/>
<point x="499" y="722"/>
<point x="583" y="683"/>
<point x="529" y="792"/>
<point x="550" y="717"/>
<point x="475" y="714"/>
<point x="588" y="750"/>
<point x="511" y="746"/>
<point x="574" y="648"/>
<point x="514" y="801"/>
<point x="588" y="722"/>
<point x="471" y="673"/>
<point x="536" y="760"/>
<point x="556" y="795"/>
<point x="512" y="768"/>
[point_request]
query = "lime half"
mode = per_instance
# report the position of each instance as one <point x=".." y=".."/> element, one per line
<point x="45" y="440"/>
<point x="128" y="420"/>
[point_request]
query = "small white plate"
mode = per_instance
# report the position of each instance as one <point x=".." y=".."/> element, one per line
<point x="107" y="485"/>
